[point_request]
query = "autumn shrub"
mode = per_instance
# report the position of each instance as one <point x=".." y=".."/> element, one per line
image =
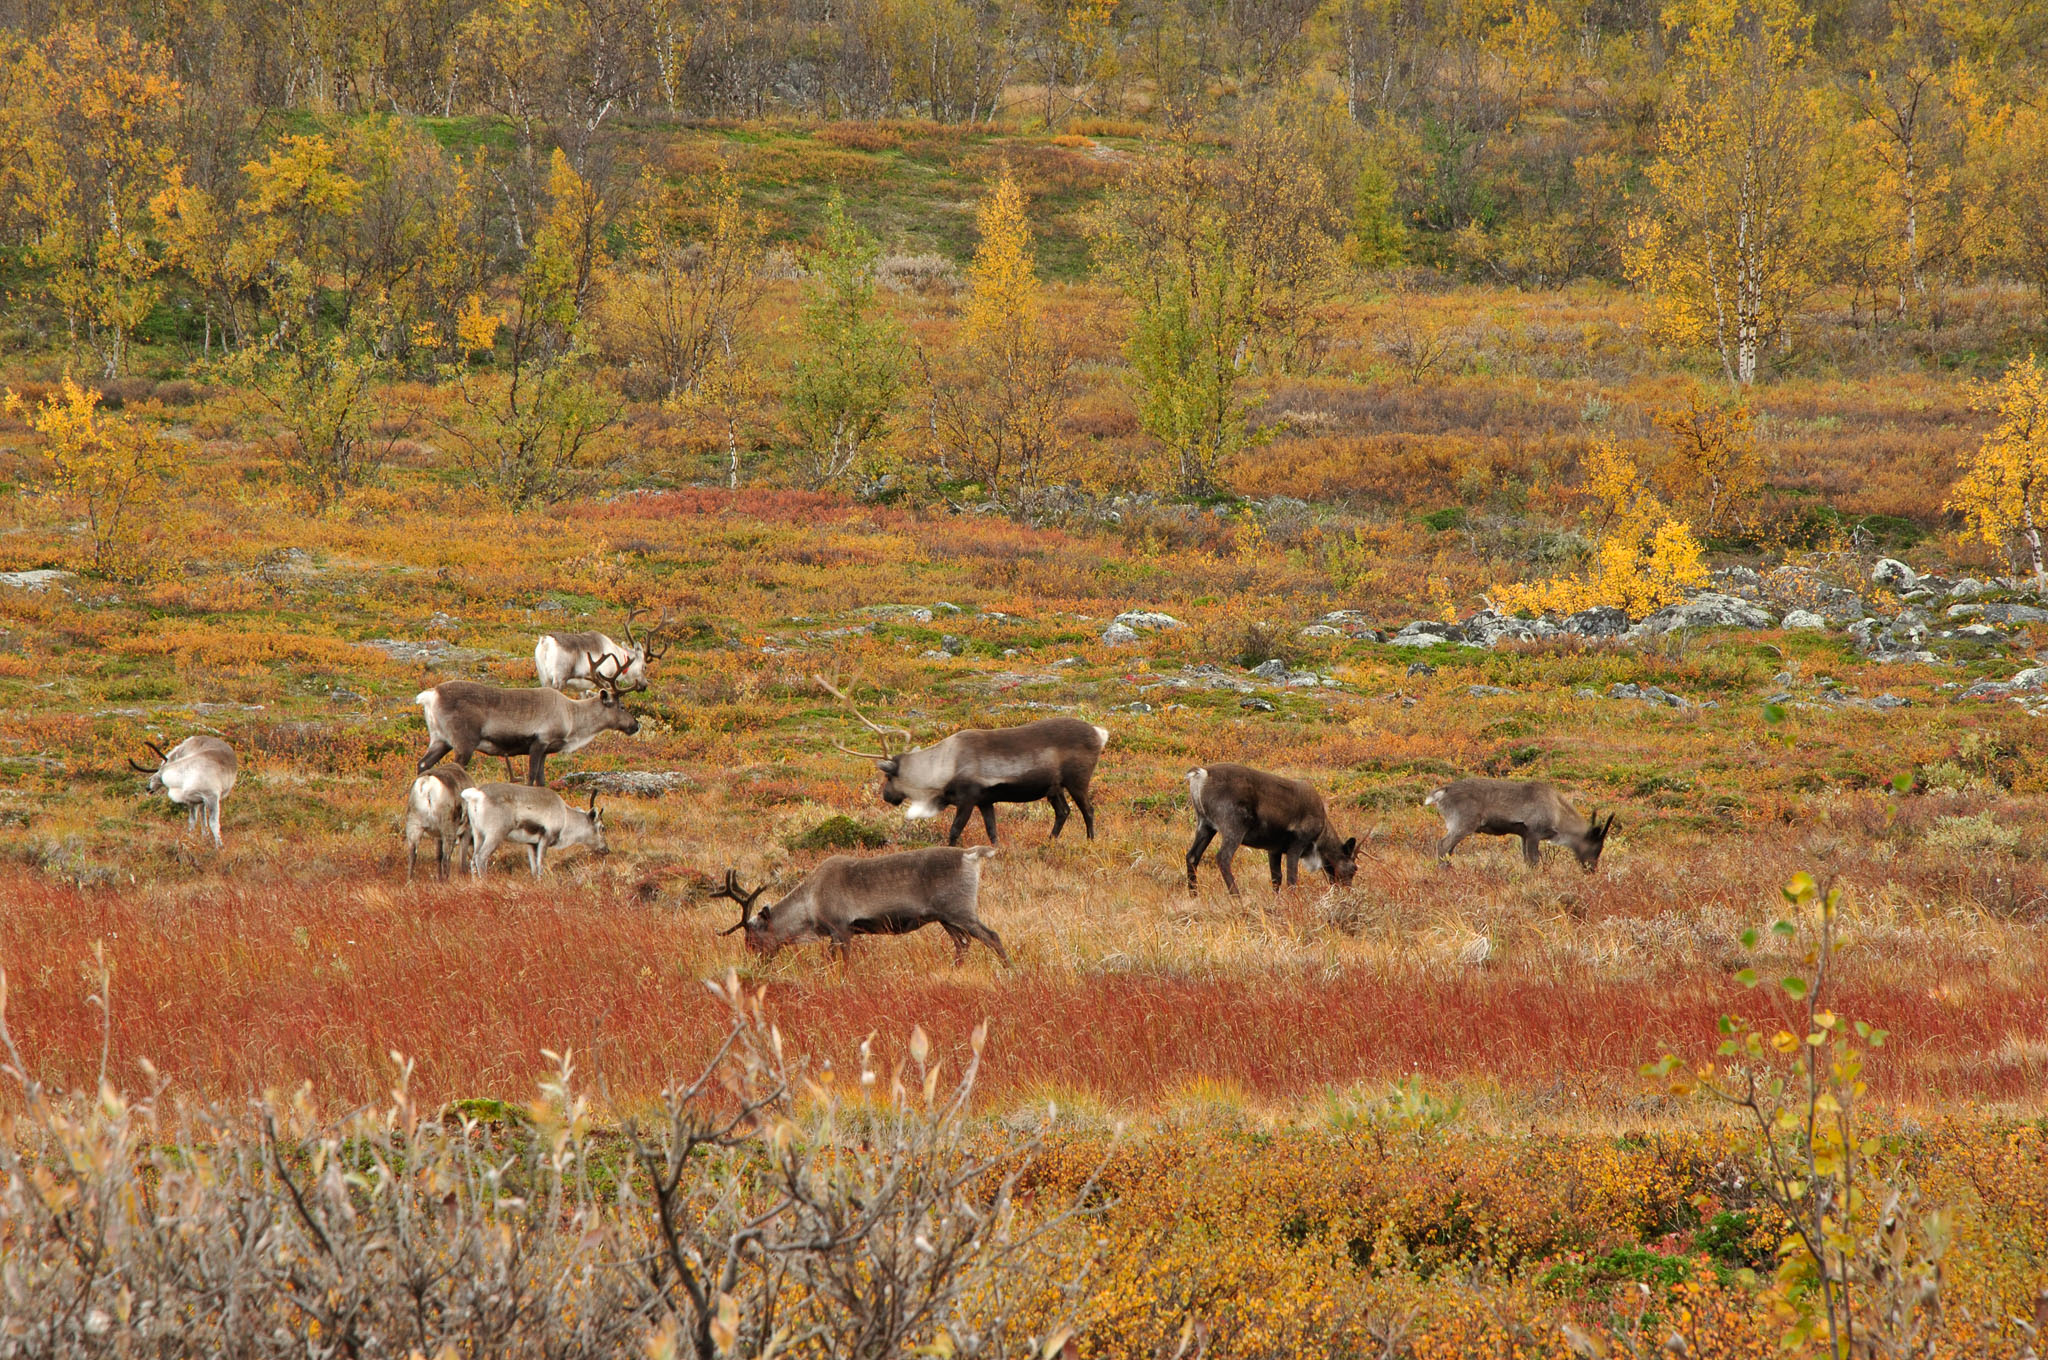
<point x="118" y="471"/>
<point x="1644" y="557"/>
<point x="762" y="1207"/>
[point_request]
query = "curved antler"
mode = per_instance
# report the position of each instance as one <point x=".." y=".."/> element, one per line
<point x="161" y="759"/>
<point x="731" y="888"/>
<point x="647" y="647"/>
<point x="597" y="665"/>
<point x="883" y="732"/>
<point x="630" y="615"/>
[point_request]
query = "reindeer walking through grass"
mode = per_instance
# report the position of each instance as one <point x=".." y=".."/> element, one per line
<point x="886" y="895"/>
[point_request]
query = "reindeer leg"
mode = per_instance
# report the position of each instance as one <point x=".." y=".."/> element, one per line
<point x="1204" y="833"/>
<point x="1448" y="844"/>
<point x="1274" y="860"/>
<point x="989" y="938"/>
<point x="433" y="756"/>
<point x="1224" y="854"/>
<point x="988" y="819"/>
<point x="960" y="939"/>
<point x="1058" y="799"/>
<point x="961" y="814"/>
<point x="1083" y="801"/>
<point x="511" y="773"/>
<point x="1532" y="849"/>
<point x="537" y="765"/>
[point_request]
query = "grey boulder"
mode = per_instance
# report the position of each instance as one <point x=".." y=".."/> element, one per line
<point x="1601" y="621"/>
<point x="1705" y="610"/>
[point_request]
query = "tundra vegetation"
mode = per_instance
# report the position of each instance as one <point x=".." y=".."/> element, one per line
<point x="1144" y="364"/>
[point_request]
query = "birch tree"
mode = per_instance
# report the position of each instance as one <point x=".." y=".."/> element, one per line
<point x="1726" y="249"/>
<point x="2003" y="491"/>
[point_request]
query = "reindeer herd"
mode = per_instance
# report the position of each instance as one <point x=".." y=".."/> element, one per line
<point x="1051" y="760"/>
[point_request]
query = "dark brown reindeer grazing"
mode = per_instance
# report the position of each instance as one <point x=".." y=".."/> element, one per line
<point x="1286" y="818"/>
<point x="974" y="770"/>
<point x="1535" y="811"/>
<point x="563" y="659"/>
<point x="885" y="895"/>
<point x="465" y="717"/>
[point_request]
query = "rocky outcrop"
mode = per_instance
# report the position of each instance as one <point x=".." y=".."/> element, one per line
<point x="1709" y="609"/>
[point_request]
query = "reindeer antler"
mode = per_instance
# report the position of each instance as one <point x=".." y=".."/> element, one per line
<point x="731" y="888"/>
<point x="647" y="647"/>
<point x="597" y="665"/>
<point x="883" y="732"/>
<point x="161" y="759"/>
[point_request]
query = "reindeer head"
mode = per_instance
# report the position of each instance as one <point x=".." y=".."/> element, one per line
<point x="604" y="672"/>
<point x="1342" y="866"/>
<point x="593" y="836"/>
<point x="1588" y="847"/>
<point x="155" y="772"/>
<point x="1338" y="859"/>
<point x="760" y="935"/>
<point x="648" y="646"/>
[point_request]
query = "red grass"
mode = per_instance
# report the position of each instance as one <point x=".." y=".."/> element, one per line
<point x="230" y="990"/>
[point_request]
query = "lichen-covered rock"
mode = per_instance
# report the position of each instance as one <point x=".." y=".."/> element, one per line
<point x="1705" y="610"/>
<point x="1147" y="620"/>
<point x="1890" y="571"/>
<point x="1601" y="621"/>
<point x="41" y="578"/>
<point x="1802" y="619"/>
<point x="1490" y="629"/>
<point x="1647" y="693"/>
<point x="1118" y="635"/>
<point x="2010" y="614"/>
<point x="629" y="783"/>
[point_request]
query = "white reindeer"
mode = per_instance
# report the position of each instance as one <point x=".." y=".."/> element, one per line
<point x="527" y="815"/>
<point x="197" y="773"/>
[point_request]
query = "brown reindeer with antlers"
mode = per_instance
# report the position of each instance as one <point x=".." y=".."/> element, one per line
<point x="886" y="895"/>
<point x="464" y="717"/>
<point x="974" y="770"/>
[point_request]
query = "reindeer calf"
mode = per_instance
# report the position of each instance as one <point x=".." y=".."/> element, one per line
<point x="533" y="817"/>
<point x="435" y="809"/>
<point x="1533" y="810"/>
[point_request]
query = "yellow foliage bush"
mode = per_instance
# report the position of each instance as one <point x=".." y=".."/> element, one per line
<point x="1645" y="558"/>
<point x="119" y="471"/>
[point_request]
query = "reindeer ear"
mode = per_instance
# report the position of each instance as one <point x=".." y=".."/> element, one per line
<point x="1351" y="846"/>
